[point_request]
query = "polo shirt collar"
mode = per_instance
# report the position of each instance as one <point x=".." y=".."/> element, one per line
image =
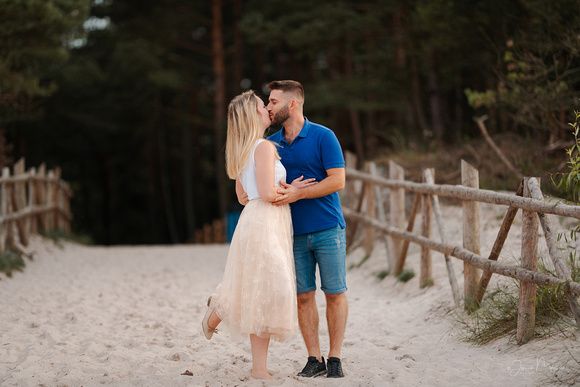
<point x="303" y="131"/>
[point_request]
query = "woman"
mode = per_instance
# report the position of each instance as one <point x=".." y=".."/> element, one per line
<point x="257" y="295"/>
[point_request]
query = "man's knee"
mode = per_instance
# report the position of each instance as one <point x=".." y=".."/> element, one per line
<point x="305" y="299"/>
<point x="335" y="298"/>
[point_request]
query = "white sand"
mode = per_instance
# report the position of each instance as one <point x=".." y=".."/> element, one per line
<point x="130" y="316"/>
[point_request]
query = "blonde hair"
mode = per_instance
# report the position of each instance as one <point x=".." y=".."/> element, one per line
<point x="244" y="129"/>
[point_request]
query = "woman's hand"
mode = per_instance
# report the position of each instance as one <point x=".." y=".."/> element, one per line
<point x="290" y="193"/>
<point x="241" y="194"/>
<point x="300" y="182"/>
<point x="243" y="200"/>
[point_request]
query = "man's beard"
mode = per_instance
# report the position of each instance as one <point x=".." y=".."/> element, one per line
<point x="281" y="116"/>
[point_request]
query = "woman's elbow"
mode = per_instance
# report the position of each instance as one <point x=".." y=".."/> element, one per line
<point x="268" y="195"/>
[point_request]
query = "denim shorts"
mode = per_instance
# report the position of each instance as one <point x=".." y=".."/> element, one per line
<point x="327" y="248"/>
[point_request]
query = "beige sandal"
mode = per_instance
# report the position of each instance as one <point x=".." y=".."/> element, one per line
<point x="207" y="331"/>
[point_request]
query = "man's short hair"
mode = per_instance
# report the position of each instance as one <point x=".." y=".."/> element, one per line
<point x="288" y="86"/>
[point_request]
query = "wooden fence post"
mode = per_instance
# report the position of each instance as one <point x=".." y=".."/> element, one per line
<point x="397" y="207"/>
<point x="50" y="198"/>
<point x="526" y="307"/>
<point x="430" y="179"/>
<point x="560" y="266"/>
<point x="41" y="196"/>
<point x="33" y="220"/>
<point x="405" y="243"/>
<point x="371" y="211"/>
<point x="349" y="192"/>
<point x="56" y="199"/>
<point x="470" y="178"/>
<point x="425" y="277"/>
<point x="382" y="216"/>
<point x="66" y="207"/>
<point x="350" y="199"/>
<point x="4" y="225"/>
<point x="19" y="202"/>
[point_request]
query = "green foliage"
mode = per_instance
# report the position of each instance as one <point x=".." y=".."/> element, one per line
<point x="34" y="35"/>
<point x="538" y="77"/>
<point x="570" y="181"/>
<point x="58" y="235"/>
<point x="11" y="261"/>
<point x="426" y="283"/>
<point x="406" y="275"/>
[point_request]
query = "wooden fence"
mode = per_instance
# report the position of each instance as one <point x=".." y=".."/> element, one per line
<point x="32" y="201"/>
<point x="477" y="269"/>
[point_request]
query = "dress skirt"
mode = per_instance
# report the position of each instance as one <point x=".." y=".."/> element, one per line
<point x="257" y="294"/>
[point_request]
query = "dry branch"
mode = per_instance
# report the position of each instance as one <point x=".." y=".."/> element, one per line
<point x="481" y="125"/>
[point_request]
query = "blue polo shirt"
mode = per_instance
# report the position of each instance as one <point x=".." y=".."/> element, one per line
<point x="312" y="152"/>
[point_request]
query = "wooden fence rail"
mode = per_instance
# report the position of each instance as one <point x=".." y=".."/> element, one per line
<point x="477" y="269"/>
<point x="32" y="200"/>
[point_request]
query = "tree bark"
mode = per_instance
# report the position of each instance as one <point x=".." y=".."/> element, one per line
<point x="238" y="54"/>
<point x="219" y="69"/>
<point x="354" y="115"/>
<point x="435" y="98"/>
<point x="187" y="162"/>
<point x="416" y="97"/>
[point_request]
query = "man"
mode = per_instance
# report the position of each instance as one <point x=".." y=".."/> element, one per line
<point x="313" y="151"/>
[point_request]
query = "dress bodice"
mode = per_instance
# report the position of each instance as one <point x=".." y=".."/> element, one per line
<point x="248" y="175"/>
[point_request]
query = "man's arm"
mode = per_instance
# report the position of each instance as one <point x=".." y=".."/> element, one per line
<point x="334" y="182"/>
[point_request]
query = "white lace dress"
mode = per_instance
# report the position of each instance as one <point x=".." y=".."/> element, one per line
<point x="258" y="290"/>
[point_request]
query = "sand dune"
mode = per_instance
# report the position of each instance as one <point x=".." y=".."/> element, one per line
<point x="130" y="316"/>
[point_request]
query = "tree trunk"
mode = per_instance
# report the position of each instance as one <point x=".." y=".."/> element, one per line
<point x="238" y="54"/>
<point x="187" y="161"/>
<point x="435" y="98"/>
<point x="4" y="150"/>
<point x="399" y="26"/>
<point x="416" y="97"/>
<point x="354" y="115"/>
<point x="219" y="69"/>
<point x="166" y="191"/>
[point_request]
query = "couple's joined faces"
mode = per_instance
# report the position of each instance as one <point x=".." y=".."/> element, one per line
<point x="264" y="113"/>
<point x="278" y="107"/>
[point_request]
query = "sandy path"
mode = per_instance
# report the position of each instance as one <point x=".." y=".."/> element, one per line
<point x="130" y="316"/>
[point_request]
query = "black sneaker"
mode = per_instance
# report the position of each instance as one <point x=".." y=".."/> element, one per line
<point x="313" y="368"/>
<point x="334" y="368"/>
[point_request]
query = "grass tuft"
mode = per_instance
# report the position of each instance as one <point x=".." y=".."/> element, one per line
<point x="406" y="275"/>
<point x="11" y="261"/>
<point x="498" y="315"/>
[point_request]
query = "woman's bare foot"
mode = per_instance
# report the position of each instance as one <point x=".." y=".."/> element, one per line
<point x="261" y="375"/>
